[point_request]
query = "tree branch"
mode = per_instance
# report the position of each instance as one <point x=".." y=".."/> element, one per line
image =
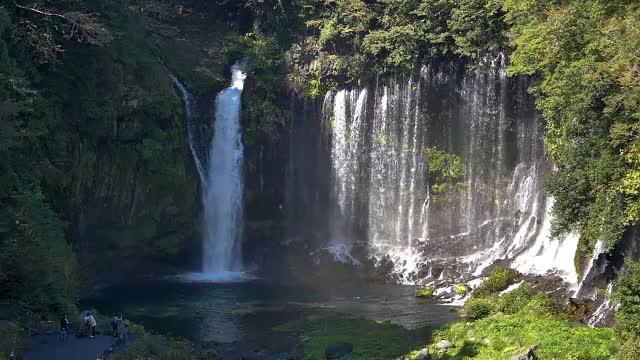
<point x="83" y="27"/>
<point x="45" y="13"/>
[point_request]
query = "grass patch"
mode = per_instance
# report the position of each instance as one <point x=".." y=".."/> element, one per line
<point x="502" y="336"/>
<point x="503" y="326"/>
<point x="372" y="340"/>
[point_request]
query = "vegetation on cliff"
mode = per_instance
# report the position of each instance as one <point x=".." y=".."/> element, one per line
<point x="585" y="57"/>
<point x="93" y="145"/>
<point x="93" y="159"/>
<point x="499" y="326"/>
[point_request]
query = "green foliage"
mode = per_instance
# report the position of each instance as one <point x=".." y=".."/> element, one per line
<point x="426" y="291"/>
<point x="500" y="327"/>
<point x="148" y="346"/>
<point x="627" y="295"/>
<point x="476" y="308"/>
<point x="39" y="266"/>
<point x="523" y="298"/>
<point x="478" y="26"/>
<point x="514" y="301"/>
<point x="446" y="173"/>
<point x="503" y="336"/>
<point x="462" y="289"/>
<point x="12" y="339"/>
<point x="586" y="56"/>
<point x="348" y="40"/>
<point x="372" y="340"/>
<point x="630" y="349"/>
<point x="499" y="279"/>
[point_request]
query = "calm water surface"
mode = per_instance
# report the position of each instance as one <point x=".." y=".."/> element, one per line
<point x="248" y="311"/>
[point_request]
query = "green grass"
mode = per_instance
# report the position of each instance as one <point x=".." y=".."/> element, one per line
<point x="503" y="326"/>
<point x="502" y="336"/>
<point x="372" y="340"/>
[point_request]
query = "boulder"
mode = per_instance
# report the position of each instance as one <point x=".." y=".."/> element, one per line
<point x="338" y="350"/>
<point x="443" y="345"/>
<point x="526" y="354"/>
<point x="423" y="355"/>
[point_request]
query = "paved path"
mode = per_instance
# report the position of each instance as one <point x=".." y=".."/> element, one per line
<point x="49" y="347"/>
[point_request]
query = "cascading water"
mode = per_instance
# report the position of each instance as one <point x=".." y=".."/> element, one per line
<point x="222" y="197"/>
<point x="222" y="186"/>
<point x="189" y="109"/>
<point x="381" y="179"/>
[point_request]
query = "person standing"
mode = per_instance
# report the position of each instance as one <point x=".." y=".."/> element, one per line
<point x="64" y="328"/>
<point x="116" y="323"/>
<point x="92" y="325"/>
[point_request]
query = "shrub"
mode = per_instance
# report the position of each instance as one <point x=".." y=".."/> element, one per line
<point x="539" y="304"/>
<point x="426" y="291"/>
<point x="628" y="296"/>
<point x="516" y="300"/>
<point x="630" y="350"/>
<point x="478" y="307"/>
<point x="12" y="339"/>
<point x="499" y="279"/>
<point x="462" y="289"/>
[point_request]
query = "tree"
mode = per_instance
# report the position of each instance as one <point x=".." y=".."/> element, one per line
<point x="585" y="56"/>
<point x="39" y="27"/>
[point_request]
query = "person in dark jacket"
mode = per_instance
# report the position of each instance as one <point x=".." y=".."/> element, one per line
<point x="64" y="328"/>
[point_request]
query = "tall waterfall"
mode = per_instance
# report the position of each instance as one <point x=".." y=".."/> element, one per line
<point x="221" y="178"/>
<point x="381" y="179"/>
<point x="222" y="197"/>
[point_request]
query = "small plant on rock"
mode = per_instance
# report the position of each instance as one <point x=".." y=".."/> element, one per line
<point x="499" y="279"/>
<point x="462" y="289"/>
<point x="426" y="291"/>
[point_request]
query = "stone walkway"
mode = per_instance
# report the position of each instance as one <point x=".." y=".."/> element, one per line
<point x="49" y="347"/>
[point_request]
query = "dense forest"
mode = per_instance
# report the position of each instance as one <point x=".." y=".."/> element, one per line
<point x="96" y="180"/>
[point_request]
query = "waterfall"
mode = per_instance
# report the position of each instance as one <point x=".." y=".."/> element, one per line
<point x="604" y="311"/>
<point x="346" y="149"/>
<point x="189" y="109"/>
<point x="384" y="205"/>
<point x="222" y="185"/>
<point x="222" y="196"/>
